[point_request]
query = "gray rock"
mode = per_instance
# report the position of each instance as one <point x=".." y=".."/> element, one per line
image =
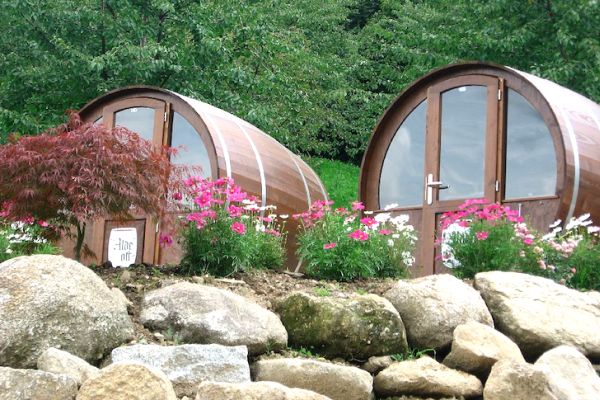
<point x="572" y="375"/>
<point x="253" y="391"/>
<point x="425" y="377"/>
<point x="513" y="380"/>
<point x="433" y="306"/>
<point x="52" y="301"/>
<point x="539" y="314"/>
<point x="375" y="364"/>
<point x="337" y="382"/>
<point x="476" y="348"/>
<point x="120" y="296"/>
<point x="188" y="365"/>
<point x="205" y="314"/>
<point x="60" y="362"/>
<point x="128" y="381"/>
<point x="28" y="384"/>
<point x="357" y="327"/>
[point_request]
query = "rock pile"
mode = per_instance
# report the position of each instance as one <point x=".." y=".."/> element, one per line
<point x="59" y="317"/>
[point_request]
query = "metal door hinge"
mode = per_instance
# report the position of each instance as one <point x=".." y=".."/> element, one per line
<point x="497" y="186"/>
<point x="499" y="94"/>
<point x="165" y="117"/>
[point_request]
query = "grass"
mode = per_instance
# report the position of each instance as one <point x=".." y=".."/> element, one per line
<point x="340" y="179"/>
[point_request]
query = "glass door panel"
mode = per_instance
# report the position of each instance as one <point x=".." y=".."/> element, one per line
<point x="137" y="119"/>
<point x="463" y="133"/>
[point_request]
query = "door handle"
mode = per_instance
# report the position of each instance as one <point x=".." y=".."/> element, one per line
<point x="430" y="184"/>
<point x="438" y="184"/>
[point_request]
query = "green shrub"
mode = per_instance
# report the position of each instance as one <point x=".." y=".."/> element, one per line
<point x="24" y="238"/>
<point x="572" y="254"/>
<point x="226" y="232"/>
<point x="338" y="244"/>
<point x="490" y="237"/>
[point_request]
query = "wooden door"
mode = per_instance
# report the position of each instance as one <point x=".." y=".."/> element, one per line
<point x="461" y="151"/>
<point x="148" y="118"/>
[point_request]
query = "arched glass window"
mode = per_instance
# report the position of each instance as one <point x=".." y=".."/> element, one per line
<point x="530" y="154"/>
<point x="137" y="119"/>
<point x="402" y="172"/>
<point x="191" y="150"/>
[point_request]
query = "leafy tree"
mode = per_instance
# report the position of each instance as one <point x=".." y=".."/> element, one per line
<point x="315" y="75"/>
<point x="78" y="172"/>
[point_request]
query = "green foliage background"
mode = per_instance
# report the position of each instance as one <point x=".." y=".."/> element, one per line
<point x="314" y="74"/>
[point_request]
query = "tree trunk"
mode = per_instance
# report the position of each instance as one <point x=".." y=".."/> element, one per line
<point x="79" y="242"/>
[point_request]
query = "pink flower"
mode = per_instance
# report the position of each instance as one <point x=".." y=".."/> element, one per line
<point x="273" y="232"/>
<point x="359" y="235"/>
<point x="528" y="241"/>
<point x="468" y="203"/>
<point x="235" y="211"/>
<point x="573" y="270"/>
<point x="328" y="246"/>
<point x="28" y="220"/>
<point x="368" y="221"/>
<point x="341" y="210"/>
<point x="357" y="206"/>
<point x="238" y="228"/>
<point x="177" y="196"/>
<point x="203" y="200"/>
<point x="43" y="223"/>
<point x="165" y="240"/>
<point x="385" y="232"/>
<point x="209" y="214"/>
<point x="236" y="194"/>
<point x="482" y="235"/>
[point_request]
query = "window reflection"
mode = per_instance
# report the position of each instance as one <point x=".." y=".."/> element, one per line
<point x="137" y="119"/>
<point x="463" y="131"/>
<point x="191" y="150"/>
<point x="402" y="172"/>
<point x="530" y="156"/>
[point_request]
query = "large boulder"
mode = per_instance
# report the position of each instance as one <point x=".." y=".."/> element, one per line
<point x="515" y="380"/>
<point x="425" y="377"/>
<point x="60" y="362"/>
<point x="188" y="365"/>
<point x="572" y="375"/>
<point x="205" y="314"/>
<point x="477" y="347"/>
<point x="253" y="391"/>
<point x="337" y="382"/>
<point x="562" y="373"/>
<point x="52" y="301"/>
<point x="357" y="327"/>
<point x="128" y="381"/>
<point x="539" y="314"/>
<point x="28" y="384"/>
<point x="433" y="306"/>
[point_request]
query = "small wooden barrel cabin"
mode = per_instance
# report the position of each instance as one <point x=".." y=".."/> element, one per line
<point x="220" y="143"/>
<point x="478" y="130"/>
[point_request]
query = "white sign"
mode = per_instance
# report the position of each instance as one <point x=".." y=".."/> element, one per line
<point x="122" y="246"/>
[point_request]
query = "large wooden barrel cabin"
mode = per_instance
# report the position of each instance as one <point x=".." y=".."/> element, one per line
<point x="479" y="130"/>
<point x="222" y="144"/>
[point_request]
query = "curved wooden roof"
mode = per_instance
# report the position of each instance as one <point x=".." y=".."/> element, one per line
<point x="260" y="164"/>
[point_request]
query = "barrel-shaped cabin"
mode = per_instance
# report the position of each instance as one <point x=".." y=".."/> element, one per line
<point x="480" y="130"/>
<point x="221" y="144"/>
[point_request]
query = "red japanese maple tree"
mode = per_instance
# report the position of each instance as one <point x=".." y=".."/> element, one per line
<point x="78" y="171"/>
